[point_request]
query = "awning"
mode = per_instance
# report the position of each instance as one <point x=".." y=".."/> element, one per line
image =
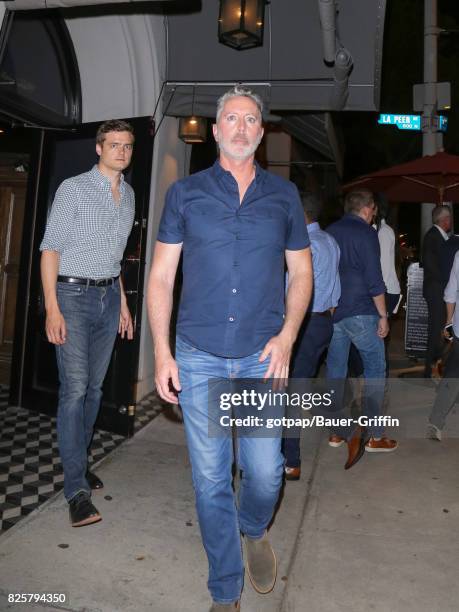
<point x="288" y="70"/>
<point x="28" y="5"/>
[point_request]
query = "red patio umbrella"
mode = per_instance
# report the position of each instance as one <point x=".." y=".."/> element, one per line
<point x="432" y="178"/>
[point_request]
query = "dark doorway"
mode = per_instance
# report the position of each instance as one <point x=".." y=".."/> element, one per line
<point x="34" y="381"/>
<point x="13" y="186"/>
<point x="15" y="150"/>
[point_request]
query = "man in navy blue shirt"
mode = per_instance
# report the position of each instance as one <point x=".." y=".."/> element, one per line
<point x="236" y="226"/>
<point x="361" y="316"/>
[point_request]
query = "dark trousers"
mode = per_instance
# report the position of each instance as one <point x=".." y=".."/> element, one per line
<point x="448" y="390"/>
<point x="313" y="340"/>
<point x="92" y="317"/>
<point x="436" y="321"/>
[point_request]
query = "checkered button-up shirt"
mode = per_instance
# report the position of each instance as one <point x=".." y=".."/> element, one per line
<point x="87" y="227"/>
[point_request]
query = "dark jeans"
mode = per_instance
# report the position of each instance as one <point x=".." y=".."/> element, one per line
<point x="91" y="316"/>
<point x="313" y="340"/>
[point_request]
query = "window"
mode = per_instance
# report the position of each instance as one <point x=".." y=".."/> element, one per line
<point x="39" y="79"/>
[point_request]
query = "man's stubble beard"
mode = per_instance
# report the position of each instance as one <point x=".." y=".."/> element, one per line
<point x="248" y="151"/>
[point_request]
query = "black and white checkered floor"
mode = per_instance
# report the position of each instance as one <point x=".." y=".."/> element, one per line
<point x="30" y="468"/>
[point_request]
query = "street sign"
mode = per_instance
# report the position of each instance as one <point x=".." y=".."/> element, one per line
<point x="413" y="122"/>
<point x="403" y="122"/>
<point x="442" y="123"/>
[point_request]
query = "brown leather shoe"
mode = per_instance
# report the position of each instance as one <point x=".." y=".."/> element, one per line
<point x="355" y="447"/>
<point x="335" y="441"/>
<point x="292" y="473"/>
<point x="383" y="445"/>
<point x="437" y="370"/>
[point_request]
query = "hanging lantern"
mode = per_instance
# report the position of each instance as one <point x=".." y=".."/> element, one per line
<point x="193" y="129"/>
<point x="240" y="23"/>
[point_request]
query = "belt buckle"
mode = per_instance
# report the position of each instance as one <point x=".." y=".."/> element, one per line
<point x="99" y="282"/>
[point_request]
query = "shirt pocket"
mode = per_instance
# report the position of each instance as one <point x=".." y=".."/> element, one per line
<point x="271" y="226"/>
<point x="204" y="222"/>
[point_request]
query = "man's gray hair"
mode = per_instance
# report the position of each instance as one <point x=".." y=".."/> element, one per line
<point x="236" y="92"/>
<point x="439" y="212"/>
<point x="358" y="199"/>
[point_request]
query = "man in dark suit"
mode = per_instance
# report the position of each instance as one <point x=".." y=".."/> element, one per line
<point x="434" y="283"/>
<point x="450" y="248"/>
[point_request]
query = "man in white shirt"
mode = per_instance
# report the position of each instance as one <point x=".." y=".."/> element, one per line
<point x="448" y="389"/>
<point x="386" y="239"/>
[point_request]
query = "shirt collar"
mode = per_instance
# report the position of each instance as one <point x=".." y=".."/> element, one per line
<point x="220" y="172"/>
<point x="355" y="217"/>
<point x="103" y="180"/>
<point x="313" y="227"/>
<point x="442" y="231"/>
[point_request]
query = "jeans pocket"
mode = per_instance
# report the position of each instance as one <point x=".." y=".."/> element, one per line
<point x="184" y="347"/>
<point x="116" y="288"/>
<point x="69" y="290"/>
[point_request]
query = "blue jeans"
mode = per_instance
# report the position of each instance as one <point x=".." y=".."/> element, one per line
<point x="260" y="460"/>
<point x="360" y="330"/>
<point x="91" y="316"/>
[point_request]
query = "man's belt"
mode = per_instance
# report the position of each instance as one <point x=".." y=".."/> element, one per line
<point x="325" y="313"/>
<point x="91" y="282"/>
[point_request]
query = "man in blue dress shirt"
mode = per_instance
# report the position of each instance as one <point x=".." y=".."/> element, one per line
<point x="361" y="316"/>
<point x="317" y="328"/>
<point x="236" y="225"/>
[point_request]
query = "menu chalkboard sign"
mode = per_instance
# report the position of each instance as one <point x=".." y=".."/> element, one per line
<point x="416" y="312"/>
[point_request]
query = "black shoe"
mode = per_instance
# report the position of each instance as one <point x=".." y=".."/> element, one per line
<point x="94" y="481"/>
<point x="82" y="511"/>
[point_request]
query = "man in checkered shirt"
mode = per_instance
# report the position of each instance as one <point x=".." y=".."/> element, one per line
<point x="86" y="234"/>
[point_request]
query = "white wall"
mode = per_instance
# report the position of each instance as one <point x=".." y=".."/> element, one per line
<point x="118" y="62"/>
<point x="122" y="67"/>
<point x="169" y="159"/>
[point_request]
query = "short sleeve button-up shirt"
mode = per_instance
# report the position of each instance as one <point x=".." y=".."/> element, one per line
<point x="87" y="227"/>
<point x="233" y="257"/>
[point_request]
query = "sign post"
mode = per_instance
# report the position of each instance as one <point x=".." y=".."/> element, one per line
<point x="414" y="122"/>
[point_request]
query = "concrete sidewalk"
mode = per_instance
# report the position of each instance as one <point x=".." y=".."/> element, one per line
<point x="382" y="536"/>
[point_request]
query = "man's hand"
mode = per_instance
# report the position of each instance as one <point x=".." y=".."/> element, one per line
<point x="280" y="349"/>
<point x="125" y="326"/>
<point x="56" y="330"/>
<point x="166" y="372"/>
<point x="383" y="327"/>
